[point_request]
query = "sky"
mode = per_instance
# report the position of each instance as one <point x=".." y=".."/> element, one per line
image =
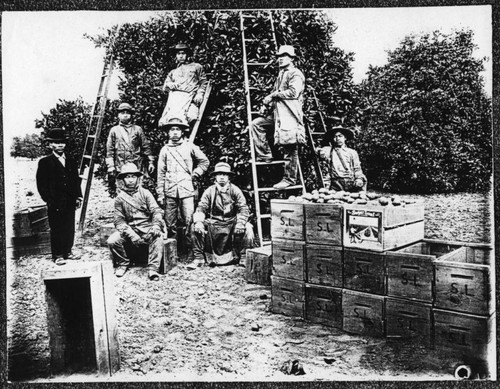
<point x="45" y="56"/>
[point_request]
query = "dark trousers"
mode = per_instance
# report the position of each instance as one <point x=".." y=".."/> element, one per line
<point x="62" y="230"/>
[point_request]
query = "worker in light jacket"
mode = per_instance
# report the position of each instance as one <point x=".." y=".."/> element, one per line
<point x="58" y="183"/>
<point x="284" y="104"/>
<point x="180" y="164"/>
<point x="186" y="86"/>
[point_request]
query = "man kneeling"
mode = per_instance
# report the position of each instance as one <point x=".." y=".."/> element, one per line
<point x="139" y="221"/>
<point x="220" y="221"/>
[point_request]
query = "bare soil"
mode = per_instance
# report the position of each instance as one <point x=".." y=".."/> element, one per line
<point x="210" y="324"/>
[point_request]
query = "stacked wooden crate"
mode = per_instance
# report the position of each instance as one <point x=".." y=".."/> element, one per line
<point x="367" y="269"/>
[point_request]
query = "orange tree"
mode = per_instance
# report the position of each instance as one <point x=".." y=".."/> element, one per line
<point x="427" y="126"/>
<point x="144" y="54"/>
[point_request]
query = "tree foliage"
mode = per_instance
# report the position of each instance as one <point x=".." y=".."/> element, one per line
<point x="428" y="121"/>
<point x="144" y="53"/>
<point x="30" y="146"/>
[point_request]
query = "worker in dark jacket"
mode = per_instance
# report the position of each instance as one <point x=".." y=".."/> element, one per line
<point x="220" y="221"/>
<point x="138" y="220"/>
<point x="58" y="183"/>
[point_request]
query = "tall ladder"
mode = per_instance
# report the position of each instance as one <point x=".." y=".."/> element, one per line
<point x="247" y="63"/>
<point x="200" y="113"/>
<point x="86" y="170"/>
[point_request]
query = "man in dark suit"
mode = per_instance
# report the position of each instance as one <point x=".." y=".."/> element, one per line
<point x="58" y="183"/>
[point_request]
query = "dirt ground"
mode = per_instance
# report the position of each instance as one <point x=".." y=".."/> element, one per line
<point x="210" y="324"/>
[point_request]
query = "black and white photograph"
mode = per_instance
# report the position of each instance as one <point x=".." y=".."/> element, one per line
<point x="242" y="195"/>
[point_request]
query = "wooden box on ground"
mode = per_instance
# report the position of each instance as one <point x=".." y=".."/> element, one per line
<point x="363" y="313"/>
<point x="38" y="244"/>
<point x="287" y="296"/>
<point x="81" y="318"/>
<point x="463" y="335"/>
<point x="105" y="232"/>
<point x="324" y="265"/>
<point x="464" y="280"/>
<point x="287" y="220"/>
<point x="323" y="223"/>
<point x="324" y="305"/>
<point x="258" y="265"/>
<point x="288" y="259"/>
<point x="406" y="319"/>
<point x="364" y="271"/>
<point x="170" y="257"/>
<point x="410" y="270"/>
<point x="381" y="228"/>
<point x="30" y="221"/>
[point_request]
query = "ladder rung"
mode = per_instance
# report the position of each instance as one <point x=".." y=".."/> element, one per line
<point x="87" y="156"/>
<point x="291" y="187"/>
<point x="91" y="136"/>
<point x="259" y="63"/>
<point x="274" y="162"/>
<point x="265" y="216"/>
<point x="318" y="133"/>
<point x="83" y="177"/>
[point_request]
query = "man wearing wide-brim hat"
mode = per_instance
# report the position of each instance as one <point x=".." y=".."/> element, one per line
<point x="343" y="162"/>
<point x="186" y="86"/>
<point x="138" y="220"/>
<point x="282" y="111"/>
<point x="127" y="143"/>
<point x="180" y="164"/>
<point x="220" y="223"/>
<point x="58" y="183"/>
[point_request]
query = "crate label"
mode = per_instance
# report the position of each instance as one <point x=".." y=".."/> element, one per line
<point x="363" y="225"/>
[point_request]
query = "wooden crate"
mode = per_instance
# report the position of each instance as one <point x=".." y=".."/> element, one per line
<point x="463" y="335"/>
<point x="407" y="319"/>
<point x="364" y="271"/>
<point x="83" y="334"/>
<point x="323" y="305"/>
<point x="287" y="296"/>
<point x="170" y="258"/>
<point x="287" y="220"/>
<point x="105" y="232"/>
<point x="258" y="265"/>
<point x="464" y="281"/>
<point x="323" y="223"/>
<point x="29" y="222"/>
<point x="381" y="228"/>
<point x="38" y="244"/>
<point x="288" y="259"/>
<point x="363" y="313"/>
<point x="410" y="270"/>
<point x="324" y="265"/>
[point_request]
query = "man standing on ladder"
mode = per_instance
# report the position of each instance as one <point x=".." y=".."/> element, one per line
<point x="186" y="85"/>
<point x="286" y="101"/>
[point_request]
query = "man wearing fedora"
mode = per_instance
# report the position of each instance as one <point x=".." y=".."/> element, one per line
<point x="127" y="143"/>
<point x="286" y="116"/>
<point x="343" y="163"/>
<point x="179" y="164"/>
<point x="138" y="220"/>
<point x="220" y="221"/>
<point x="58" y="183"/>
<point x="186" y="85"/>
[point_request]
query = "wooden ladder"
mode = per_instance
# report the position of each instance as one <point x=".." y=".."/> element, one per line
<point x="254" y="64"/>
<point x="94" y="128"/>
<point x="200" y="113"/>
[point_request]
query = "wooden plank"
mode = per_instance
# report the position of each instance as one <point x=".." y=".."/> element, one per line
<point x="287" y="296"/>
<point x="111" y="322"/>
<point x="38" y="244"/>
<point x="287" y="220"/>
<point x="402" y="235"/>
<point x="324" y="265"/>
<point x="323" y="305"/>
<point x="288" y="259"/>
<point x="407" y="319"/>
<point x="463" y="335"/>
<point x="99" y="322"/>
<point x="55" y="326"/>
<point x="364" y="271"/>
<point x="363" y="313"/>
<point x="258" y="265"/>
<point x="323" y="223"/>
